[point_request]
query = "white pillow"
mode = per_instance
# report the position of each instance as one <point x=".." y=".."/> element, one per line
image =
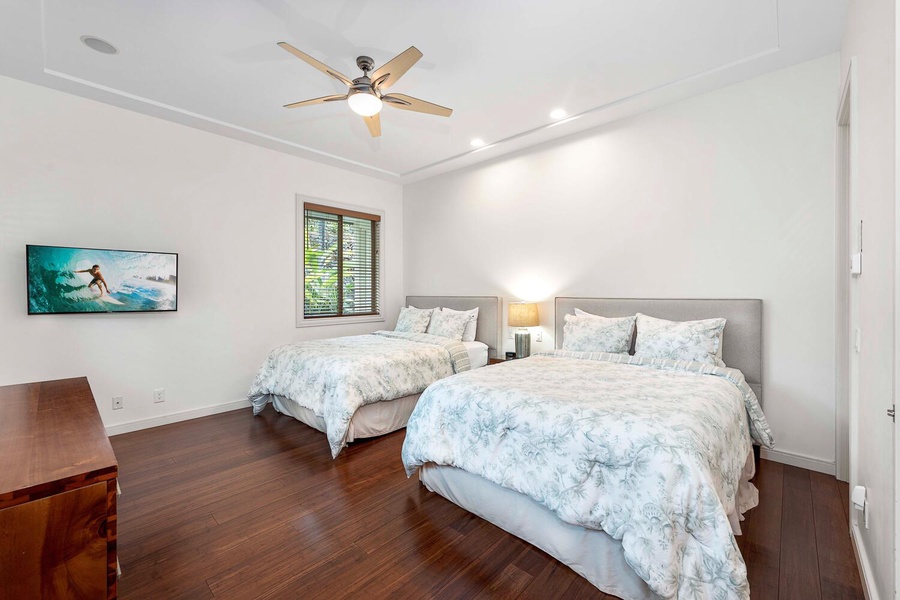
<point x="593" y="333"/>
<point x="448" y="325"/>
<point x="414" y="320"/>
<point x="698" y="341"/>
<point x="471" y="324"/>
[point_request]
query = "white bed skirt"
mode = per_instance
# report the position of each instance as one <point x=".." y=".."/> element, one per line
<point x="591" y="553"/>
<point x="371" y="420"/>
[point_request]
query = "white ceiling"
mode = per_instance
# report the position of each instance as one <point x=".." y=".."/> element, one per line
<point x="502" y="65"/>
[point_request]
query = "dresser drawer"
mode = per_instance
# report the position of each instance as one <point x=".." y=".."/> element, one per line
<point x="57" y="546"/>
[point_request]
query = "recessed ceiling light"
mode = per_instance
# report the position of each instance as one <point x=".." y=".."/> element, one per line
<point x="477" y="143"/>
<point x="558" y="113"/>
<point x="95" y="43"/>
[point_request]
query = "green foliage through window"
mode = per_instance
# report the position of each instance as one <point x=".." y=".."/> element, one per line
<point x="340" y="263"/>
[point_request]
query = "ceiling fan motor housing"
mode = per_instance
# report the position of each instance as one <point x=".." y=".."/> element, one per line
<point x="361" y="84"/>
<point x="365" y="63"/>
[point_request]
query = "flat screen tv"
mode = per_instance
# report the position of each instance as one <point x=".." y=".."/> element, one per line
<point x="63" y="280"/>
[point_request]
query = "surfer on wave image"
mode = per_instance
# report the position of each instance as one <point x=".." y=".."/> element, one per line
<point x="65" y="280"/>
<point x="97" y="278"/>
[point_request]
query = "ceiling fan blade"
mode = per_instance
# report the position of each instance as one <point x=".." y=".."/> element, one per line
<point x="374" y="124"/>
<point x="395" y="68"/>
<point x="316" y="101"/>
<point x="405" y="102"/>
<point x="319" y="65"/>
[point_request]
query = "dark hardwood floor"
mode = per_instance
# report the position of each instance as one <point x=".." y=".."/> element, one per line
<point x="232" y="506"/>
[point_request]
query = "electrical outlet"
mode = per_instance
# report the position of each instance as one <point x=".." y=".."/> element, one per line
<point x="539" y="336"/>
<point x="159" y="395"/>
<point x="511" y="334"/>
<point x="117" y="402"/>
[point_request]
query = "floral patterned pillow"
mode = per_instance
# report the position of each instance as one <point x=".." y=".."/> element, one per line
<point x="471" y="325"/>
<point x="699" y="341"/>
<point x="414" y="320"/>
<point x="593" y="333"/>
<point x="449" y="324"/>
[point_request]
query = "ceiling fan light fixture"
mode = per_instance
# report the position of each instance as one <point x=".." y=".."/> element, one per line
<point x="365" y="104"/>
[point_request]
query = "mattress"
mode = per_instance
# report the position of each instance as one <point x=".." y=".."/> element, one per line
<point x="478" y="353"/>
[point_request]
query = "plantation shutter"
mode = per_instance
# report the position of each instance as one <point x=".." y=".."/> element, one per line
<point x="340" y="262"/>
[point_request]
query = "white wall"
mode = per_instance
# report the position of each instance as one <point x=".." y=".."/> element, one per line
<point x="729" y="194"/>
<point x="869" y="39"/>
<point x="76" y="172"/>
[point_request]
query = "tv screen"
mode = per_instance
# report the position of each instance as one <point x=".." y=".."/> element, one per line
<point x="64" y="280"/>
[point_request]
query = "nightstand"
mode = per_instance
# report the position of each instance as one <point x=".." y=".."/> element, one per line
<point x="497" y="361"/>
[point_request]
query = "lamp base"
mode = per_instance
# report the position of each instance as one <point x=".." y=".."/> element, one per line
<point x="523" y="344"/>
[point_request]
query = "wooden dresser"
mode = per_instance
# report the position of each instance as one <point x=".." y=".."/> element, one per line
<point x="57" y="493"/>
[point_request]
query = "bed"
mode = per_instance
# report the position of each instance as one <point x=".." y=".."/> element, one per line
<point x="632" y="471"/>
<point x="365" y="386"/>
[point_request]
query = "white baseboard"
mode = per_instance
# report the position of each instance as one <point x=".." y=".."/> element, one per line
<point x="865" y="567"/>
<point x="185" y="415"/>
<point x="799" y="460"/>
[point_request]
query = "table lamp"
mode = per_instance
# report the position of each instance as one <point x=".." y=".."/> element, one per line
<point x="523" y="314"/>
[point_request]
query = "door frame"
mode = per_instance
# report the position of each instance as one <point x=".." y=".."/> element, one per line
<point x="895" y="513"/>
<point x="846" y="145"/>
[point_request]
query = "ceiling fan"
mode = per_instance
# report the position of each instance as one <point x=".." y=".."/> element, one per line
<point x="366" y="94"/>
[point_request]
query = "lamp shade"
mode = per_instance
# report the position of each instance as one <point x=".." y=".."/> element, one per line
<point x="523" y="314"/>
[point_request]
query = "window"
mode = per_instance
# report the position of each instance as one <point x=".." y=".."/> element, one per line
<point x="340" y="264"/>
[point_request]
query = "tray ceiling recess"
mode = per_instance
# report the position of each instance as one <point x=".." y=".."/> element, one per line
<point x="502" y="68"/>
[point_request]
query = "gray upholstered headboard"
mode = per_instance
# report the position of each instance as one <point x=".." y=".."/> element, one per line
<point x="742" y="340"/>
<point x="488" y="329"/>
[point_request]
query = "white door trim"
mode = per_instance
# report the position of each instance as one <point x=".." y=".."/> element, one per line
<point x="896" y="512"/>
<point x="845" y="184"/>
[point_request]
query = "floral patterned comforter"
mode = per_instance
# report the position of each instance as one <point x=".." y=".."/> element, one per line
<point x="648" y="450"/>
<point x="334" y="377"/>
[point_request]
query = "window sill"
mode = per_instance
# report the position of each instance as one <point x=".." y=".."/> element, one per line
<point x="339" y="321"/>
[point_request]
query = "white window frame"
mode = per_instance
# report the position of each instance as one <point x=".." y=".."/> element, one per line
<point x="300" y="266"/>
